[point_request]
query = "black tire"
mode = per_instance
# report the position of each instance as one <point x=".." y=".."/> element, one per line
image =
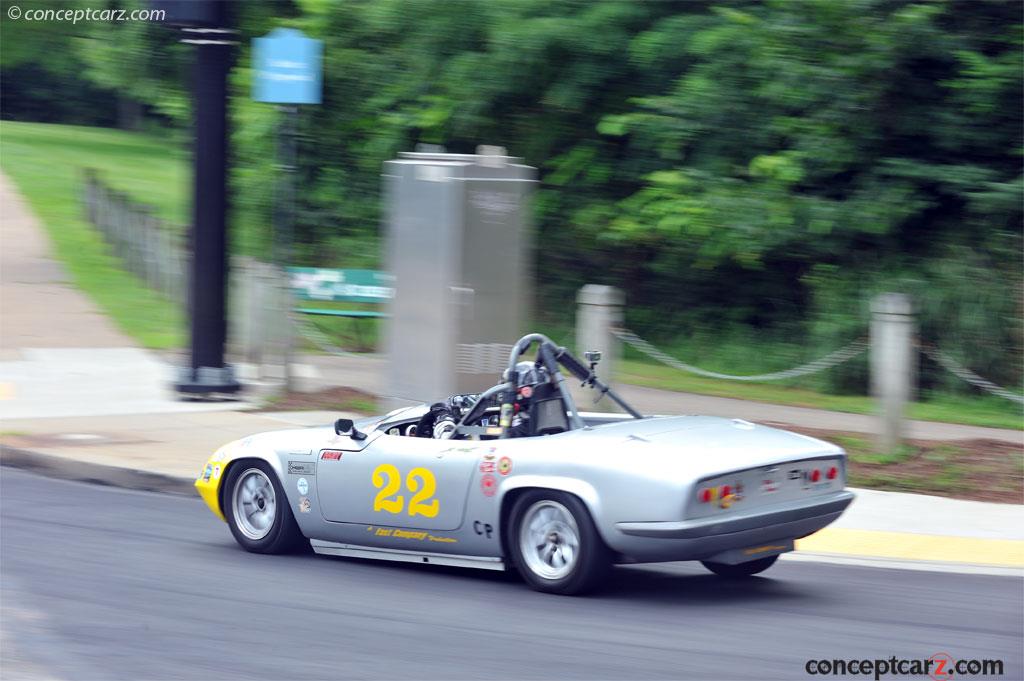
<point x="747" y="569"/>
<point x="592" y="560"/>
<point x="283" y="535"/>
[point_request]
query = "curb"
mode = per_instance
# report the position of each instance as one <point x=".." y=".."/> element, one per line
<point x="96" y="473"/>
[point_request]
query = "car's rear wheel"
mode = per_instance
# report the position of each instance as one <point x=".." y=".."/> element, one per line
<point x="257" y="511"/>
<point x="747" y="569"/>
<point x="554" y="544"/>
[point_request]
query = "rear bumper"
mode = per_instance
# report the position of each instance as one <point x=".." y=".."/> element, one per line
<point x="703" y="538"/>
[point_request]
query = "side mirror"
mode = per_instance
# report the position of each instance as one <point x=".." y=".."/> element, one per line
<point x="348" y="427"/>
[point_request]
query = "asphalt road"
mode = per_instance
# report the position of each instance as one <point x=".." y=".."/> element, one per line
<point x="102" y="583"/>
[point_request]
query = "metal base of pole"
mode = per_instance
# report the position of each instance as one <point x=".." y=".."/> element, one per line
<point x="207" y="381"/>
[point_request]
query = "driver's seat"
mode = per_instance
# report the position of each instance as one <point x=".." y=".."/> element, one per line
<point x="547" y="411"/>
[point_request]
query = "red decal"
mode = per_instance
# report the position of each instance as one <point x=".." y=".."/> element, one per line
<point x="504" y="465"/>
<point x="488" y="485"/>
<point x="331" y="455"/>
<point x="486" y="466"/>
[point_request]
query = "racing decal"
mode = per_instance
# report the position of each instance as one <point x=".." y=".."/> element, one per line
<point x="487" y="467"/>
<point x="483" y="529"/>
<point x="415" y="535"/>
<point x="488" y="484"/>
<point x="420" y="481"/>
<point x="303" y="504"/>
<point x="504" y="465"/>
<point x="331" y="455"/>
<point x="301" y="467"/>
<point x="303" y="486"/>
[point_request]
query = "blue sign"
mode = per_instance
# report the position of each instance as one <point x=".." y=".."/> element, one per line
<point x="287" y="67"/>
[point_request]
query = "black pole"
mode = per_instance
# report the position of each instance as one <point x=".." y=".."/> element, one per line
<point x="284" y="217"/>
<point x="207" y="372"/>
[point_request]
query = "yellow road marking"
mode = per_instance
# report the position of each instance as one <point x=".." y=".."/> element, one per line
<point x="906" y="546"/>
<point x="6" y="391"/>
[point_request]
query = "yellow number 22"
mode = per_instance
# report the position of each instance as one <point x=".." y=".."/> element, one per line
<point x="420" y="481"/>
<point x="394" y="481"/>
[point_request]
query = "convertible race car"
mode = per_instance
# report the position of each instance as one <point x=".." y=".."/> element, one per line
<point x="517" y="478"/>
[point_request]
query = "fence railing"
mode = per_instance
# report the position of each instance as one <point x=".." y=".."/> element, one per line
<point x="158" y="253"/>
<point x="154" y="252"/>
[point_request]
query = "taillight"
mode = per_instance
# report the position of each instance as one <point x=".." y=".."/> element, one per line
<point x="706" y="495"/>
<point x="815" y="475"/>
<point x="726" y="491"/>
<point x="832" y="473"/>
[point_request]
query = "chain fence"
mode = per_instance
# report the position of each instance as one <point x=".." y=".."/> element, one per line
<point x="827" y="362"/>
<point x="965" y="374"/>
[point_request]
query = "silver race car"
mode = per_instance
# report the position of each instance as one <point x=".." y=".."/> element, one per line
<point x="516" y="477"/>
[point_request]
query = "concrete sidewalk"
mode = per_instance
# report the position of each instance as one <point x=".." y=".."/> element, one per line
<point x="166" y="451"/>
<point x="59" y="355"/>
<point x="39" y="306"/>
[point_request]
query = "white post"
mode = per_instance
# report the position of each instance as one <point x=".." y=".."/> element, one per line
<point x="892" y="364"/>
<point x="598" y="311"/>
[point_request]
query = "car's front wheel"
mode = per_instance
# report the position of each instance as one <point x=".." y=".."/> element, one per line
<point x="257" y="510"/>
<point x="747" y="569"/>
<point x="554" y="544"/>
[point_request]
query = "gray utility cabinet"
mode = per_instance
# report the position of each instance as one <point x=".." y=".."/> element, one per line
<point x="459" y="246"/>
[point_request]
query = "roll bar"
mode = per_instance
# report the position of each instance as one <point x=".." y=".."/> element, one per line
<point x="551" y="355"/>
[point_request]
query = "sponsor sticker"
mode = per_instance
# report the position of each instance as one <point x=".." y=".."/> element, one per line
<point x="301" y="467"/>
<point x="331" y="455"/>
<point x="303" y="486"/>
<point x="487" y="467"/>
<point x="488" y="485"/>
<point x="504" y="465"/>
<point x="415" y="535"/>
<point x="303" y="504"/>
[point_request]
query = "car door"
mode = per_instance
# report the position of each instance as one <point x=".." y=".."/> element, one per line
<point x="397" y="481"/>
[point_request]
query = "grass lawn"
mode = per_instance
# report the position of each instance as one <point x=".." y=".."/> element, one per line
<point x="46" y="162"/>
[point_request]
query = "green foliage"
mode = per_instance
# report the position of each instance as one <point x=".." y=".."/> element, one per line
<point x="742" y="169"/>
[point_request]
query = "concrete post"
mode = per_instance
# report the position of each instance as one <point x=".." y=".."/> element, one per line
<point x="892" y="364"/>
<point x="598" y="311"/>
